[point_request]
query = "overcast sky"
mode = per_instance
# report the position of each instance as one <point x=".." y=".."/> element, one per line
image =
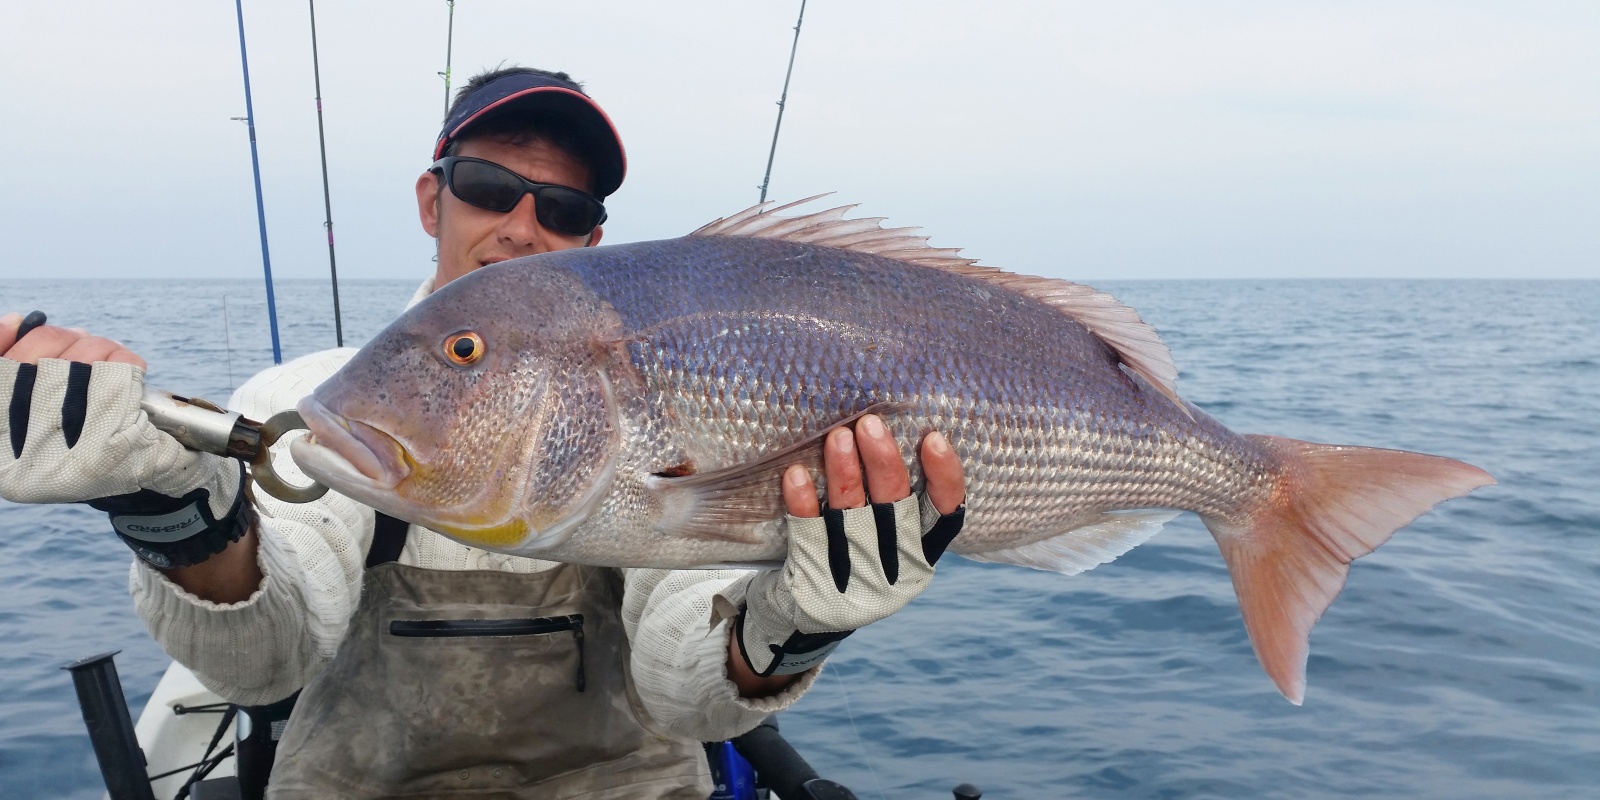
<point x="1071" y="139"/>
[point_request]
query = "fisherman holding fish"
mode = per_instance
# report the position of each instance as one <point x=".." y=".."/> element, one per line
<point x="428" y="666"/>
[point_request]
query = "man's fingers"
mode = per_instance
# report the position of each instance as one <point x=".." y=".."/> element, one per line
<point x="885" y="480"/>
<point x="8" y="331"/>
<point x="842" y="467"/>
<point x="947" y="483"/>
<point x="120" y="354"/>
<point x="45" y="341"/>
<point x="799" y="493"/>
<point x="886" y="475"/>
<point x="48" y="341"/>
<point x="90" y="349"/>
<point x="125" y="356"/>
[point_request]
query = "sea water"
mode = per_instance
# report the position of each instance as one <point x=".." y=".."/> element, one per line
<point x="1461" y="661"/>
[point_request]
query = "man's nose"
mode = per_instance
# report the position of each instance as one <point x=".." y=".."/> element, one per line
<point x="519" y="227"/>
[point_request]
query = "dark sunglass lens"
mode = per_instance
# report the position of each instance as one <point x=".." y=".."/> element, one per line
<point x="568" y="212"/>
<point x="485" y="186"/>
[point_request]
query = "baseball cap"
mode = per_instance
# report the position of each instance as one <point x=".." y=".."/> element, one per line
<point x="544" y="95"/>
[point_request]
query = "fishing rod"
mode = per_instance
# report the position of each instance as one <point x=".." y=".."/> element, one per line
<point x="255" y="168"/>
<point x="782" y="100"/>
<point x="449" y="42"/>
<point x="327" y="201"/>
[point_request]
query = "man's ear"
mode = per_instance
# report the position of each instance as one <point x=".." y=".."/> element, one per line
<point x="428" y="202"/>
<point x="594" y="236"/>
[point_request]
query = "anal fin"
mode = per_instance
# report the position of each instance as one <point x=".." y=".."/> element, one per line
<point x="1085" y="547"/>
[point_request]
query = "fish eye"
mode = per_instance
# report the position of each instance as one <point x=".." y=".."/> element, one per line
<point x="463" y="348"/>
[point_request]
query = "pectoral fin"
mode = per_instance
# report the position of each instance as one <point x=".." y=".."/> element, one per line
<point x="730" y="505"/>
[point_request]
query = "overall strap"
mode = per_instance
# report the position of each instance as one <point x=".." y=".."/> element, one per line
<point x="388" y="539"/>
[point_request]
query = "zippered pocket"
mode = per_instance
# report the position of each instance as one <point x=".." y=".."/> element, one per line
<point x="526" y="626"/>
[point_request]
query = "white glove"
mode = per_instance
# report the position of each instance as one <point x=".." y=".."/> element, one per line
<point x="845" y="569"/>
<point x="74" y="432"/>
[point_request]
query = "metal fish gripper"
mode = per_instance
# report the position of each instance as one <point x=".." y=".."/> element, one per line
<point x="208" y="428"/>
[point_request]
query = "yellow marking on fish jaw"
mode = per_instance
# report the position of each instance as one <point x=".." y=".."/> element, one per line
<point x="487" y="525"/>
<point x="505" y="534"/>
<point x="513" y="531"/>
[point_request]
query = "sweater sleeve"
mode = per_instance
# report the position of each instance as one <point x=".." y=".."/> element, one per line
<point x="311" y="556"/>
<point x="680" y="662"/>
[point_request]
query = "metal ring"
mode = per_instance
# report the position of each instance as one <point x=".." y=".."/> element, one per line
<point x="261" y="466"/>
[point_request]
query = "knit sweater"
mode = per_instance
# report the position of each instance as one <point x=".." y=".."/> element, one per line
<point x="312" y="558"/>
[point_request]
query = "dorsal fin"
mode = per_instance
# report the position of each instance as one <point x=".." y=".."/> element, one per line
<point x="1135" y="342"/>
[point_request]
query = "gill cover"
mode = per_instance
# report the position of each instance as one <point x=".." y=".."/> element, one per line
<point x="557" y="471"/>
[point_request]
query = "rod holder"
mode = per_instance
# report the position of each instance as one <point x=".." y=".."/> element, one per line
<point x="105" y="714"/>
<point x="782" y="769"/>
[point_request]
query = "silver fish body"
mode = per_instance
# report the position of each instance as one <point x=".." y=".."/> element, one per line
<point x="634" y="405"/>
<point x="1053" y="434"/>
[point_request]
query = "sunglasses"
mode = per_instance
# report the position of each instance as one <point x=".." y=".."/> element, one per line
<point x="492" y="187"/>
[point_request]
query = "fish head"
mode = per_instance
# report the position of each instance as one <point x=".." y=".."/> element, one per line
<point x="484" y="412"/>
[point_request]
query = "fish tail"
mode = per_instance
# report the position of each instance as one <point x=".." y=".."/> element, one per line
<point x="1289" y="554"/>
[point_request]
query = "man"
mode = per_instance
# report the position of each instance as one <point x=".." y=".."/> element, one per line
<point x="430" y="667"/>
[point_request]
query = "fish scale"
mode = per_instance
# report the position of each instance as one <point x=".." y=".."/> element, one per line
<point x="1078" y="435"/>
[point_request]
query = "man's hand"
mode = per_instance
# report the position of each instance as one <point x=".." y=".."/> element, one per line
<point x="72" y="430"/>
<point x="886" y="477"/>
<point x="851" y="564"/>
<point x="48" y="341"/>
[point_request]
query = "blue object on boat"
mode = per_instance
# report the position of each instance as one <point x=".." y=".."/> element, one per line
<point x="732" y="777"/>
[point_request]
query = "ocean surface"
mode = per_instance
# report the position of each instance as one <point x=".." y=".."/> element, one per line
<point x="1461" y="661"/>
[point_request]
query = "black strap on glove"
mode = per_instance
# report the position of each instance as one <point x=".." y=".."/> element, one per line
<point x="74" y="408"/>
<point x="21" y="406"/>
<point x="943" y="533"/>
<point x="798" y="653"/>
<point x="169" y="532"/>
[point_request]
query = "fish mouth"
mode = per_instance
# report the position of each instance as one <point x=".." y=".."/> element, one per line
<point x="341" y="452"/>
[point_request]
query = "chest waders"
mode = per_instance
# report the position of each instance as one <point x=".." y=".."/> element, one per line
<point x="484" y="684"/>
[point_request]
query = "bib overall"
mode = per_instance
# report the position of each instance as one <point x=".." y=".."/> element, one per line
<point x="482" y="684"/>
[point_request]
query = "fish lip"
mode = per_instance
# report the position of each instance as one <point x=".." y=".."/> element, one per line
<point x="372" y="454"/>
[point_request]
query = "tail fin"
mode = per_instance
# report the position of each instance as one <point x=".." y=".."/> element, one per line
<point x="1331" y="504"/>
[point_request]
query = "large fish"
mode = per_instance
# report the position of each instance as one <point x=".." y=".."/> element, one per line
<point x="634" y="406"/>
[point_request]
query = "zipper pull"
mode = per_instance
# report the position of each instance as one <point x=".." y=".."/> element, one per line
<point x="577" y="637"/>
